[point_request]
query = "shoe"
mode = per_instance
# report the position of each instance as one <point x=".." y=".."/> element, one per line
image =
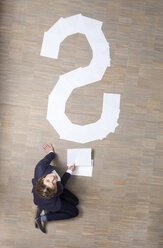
<point x="38" y="212"/>
<point x="36" y="225"/>
<point x="37" y="215"/>
<point x="39" y="224"/>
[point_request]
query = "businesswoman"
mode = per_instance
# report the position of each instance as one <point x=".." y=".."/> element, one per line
<point x="53" y="200"/>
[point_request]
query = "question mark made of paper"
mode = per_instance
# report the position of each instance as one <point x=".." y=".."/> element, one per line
<point x="94" y="72"/>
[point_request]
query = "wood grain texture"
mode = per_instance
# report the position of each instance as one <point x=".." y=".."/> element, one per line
<point x="121" y="206"/>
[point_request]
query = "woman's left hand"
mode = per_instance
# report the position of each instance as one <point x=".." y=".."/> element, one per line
<point x="72" y="167"/>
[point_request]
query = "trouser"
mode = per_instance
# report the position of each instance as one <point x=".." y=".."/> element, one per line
<point x="69" y="197"/>
<point x="68" y="208"/>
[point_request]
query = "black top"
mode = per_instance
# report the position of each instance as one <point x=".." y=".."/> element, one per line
<point x="42" y="169"/>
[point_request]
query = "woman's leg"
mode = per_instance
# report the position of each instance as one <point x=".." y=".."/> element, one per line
<point x="43" y="217"/>
<point x="41" y="220"/>
<point x="67" y="211"/>
<point x="38" y="212"/>
<point x="69" y="197"/>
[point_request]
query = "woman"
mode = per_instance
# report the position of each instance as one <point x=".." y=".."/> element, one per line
<point x="53" y="200"/>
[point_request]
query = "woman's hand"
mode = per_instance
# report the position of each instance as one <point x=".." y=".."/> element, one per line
<point x="72" y="167"/>
<point x="48" y="148"/>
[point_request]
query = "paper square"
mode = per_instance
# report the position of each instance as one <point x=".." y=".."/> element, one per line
<point x="79" y="157"/>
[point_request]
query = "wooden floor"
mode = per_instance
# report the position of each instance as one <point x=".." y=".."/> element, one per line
<point x="121" y="206"/>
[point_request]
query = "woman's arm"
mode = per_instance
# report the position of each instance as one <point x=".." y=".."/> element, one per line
<point x="45" y="162"/>
<point x="49" y="149"/>
<point x="67" y="174"/>
<point x="47" y="159"/>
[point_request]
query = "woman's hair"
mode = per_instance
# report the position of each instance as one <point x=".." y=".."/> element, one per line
<point x="43" y="191"/>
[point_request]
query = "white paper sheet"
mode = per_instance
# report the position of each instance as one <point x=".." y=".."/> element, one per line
<point x="80" y="77"/>
<point x="81" y="157"/>
<point x="84" y="171"/>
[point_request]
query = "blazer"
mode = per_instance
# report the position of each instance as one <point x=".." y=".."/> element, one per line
<point x="42" y="169"/>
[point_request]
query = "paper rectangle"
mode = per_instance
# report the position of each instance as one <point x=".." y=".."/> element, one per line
<point x="83" y="171"/>
<point x="81" y="157"/>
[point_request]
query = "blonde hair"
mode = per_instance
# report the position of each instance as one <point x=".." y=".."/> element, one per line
<point x="43" y="191"/>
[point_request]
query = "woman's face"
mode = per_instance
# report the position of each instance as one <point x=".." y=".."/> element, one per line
<point x="50" y="180"/>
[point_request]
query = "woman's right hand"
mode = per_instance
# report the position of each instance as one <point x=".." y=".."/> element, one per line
<point x="72" y="167"/>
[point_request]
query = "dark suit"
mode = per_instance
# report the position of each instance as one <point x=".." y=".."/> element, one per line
<point x="62" y="205"/>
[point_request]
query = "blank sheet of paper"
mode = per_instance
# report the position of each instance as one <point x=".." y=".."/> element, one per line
<point x="79" y="157"/>
<point x="84" y="171"/>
